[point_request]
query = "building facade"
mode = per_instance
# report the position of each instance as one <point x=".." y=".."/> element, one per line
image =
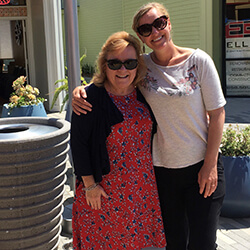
<point x="219" y="27"/>
<point x="237" y="48"/>
<point x="33" y="32"/>
<point x="34" y="44"/>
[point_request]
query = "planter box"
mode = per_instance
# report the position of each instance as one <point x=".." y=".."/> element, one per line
<point x="237" y="198"/>
<point x="27" y="110"/>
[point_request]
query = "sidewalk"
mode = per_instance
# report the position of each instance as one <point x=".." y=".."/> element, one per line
<point x="238" y="110"/>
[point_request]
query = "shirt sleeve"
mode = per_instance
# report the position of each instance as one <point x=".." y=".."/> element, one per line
<point x="81" y="127"/>
<point x="210" y="83"/>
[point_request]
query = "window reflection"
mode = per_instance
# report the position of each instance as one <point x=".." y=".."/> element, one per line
<point x="15" y="3"/>
<point x="237" y="38"/>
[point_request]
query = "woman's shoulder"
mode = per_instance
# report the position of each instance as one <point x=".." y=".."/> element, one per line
<point x="92" y="90"/>
<point x="200" y="53"/>
<point x="185" y="51"/>
<point x="202" y="57"/>
<point x="194" y="55"/>
<point x="182" y="55"/>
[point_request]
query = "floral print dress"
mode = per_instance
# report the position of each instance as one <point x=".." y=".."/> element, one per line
<point x="130" y="218"/>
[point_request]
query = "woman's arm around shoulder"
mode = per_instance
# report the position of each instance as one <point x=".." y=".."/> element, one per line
<point x="79" y="103"/>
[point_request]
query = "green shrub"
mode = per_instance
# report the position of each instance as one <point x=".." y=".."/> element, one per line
<point x="236" y="141"/>
<point x="88" y="70"/>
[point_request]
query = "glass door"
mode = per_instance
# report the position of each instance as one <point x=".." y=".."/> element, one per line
<point x="237" y="38"/>
<point x="13" y="55"/>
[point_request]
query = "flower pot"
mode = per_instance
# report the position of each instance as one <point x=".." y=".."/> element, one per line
<point x="237" y="199"/>
<point x="27" y="110"/>
<point x="33" y="156"/>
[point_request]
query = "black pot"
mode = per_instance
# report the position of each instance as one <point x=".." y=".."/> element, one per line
<point x="237" y="199"/>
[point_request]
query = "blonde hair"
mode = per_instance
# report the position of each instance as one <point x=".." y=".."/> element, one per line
<point x="116" y="42"/>
<point x="145" y="9"/>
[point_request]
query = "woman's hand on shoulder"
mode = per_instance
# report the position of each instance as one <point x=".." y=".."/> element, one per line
<point x="79" y="104"/>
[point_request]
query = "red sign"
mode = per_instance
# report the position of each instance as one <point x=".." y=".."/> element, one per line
<point x="238" y="29"/>
<point x="4" y="2"/>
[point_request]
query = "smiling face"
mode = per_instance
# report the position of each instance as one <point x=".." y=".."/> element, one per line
<point x="120" y="81"/>
<point x="158" y="38"/>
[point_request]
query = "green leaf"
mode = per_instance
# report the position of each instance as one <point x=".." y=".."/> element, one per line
<point x="58" y="90"/>
<point x="236" y="141"/>
<point x="64" y="87"/>
<point x="65" y="99"/>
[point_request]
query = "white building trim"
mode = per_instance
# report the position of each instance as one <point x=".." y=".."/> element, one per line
<point x="54" y="47"/>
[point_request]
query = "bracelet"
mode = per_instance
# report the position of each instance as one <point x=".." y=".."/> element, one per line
<point x="91" y="187"/>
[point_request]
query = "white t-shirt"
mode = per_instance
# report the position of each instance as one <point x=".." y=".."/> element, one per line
<point x="179" y="96"/>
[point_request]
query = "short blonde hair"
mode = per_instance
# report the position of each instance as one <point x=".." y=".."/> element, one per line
<point x="145" y="9"/>
<point x="118" y="41"/>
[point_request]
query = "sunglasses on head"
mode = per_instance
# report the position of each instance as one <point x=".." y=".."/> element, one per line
<point x="116" y="64"/>
<point x="159" y="23"/>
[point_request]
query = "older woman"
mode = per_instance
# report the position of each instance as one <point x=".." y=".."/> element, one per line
<point x="116" y="204"/>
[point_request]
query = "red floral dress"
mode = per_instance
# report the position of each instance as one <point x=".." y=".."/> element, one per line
<point x="130" y="218"/>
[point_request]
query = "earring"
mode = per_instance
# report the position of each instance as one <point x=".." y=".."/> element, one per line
<point x="143" y="48"/>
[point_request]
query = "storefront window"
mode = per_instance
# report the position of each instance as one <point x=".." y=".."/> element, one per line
<point x="237" y="37"/>
<point x="12" y="3"/>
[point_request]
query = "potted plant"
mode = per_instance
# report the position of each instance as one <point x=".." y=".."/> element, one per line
<point x="65" y="88"/>
<point x="24" y="101"/>
<point x="235" y="149"/>
<point x="87" y="71"/>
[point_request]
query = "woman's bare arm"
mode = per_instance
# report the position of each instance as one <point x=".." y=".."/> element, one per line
<point x="79" y="103"/>
<point x="207" y="177"/>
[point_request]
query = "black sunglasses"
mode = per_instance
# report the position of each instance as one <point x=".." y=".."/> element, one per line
<point x="116" y="64"/>
<point x="159" y="23"/>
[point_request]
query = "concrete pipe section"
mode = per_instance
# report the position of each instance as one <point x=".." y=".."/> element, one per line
<point x="33" y="155"/>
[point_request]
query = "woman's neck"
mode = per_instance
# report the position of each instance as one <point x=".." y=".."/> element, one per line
<point x="171" y="55"/>
<point x="118" y="92"/>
